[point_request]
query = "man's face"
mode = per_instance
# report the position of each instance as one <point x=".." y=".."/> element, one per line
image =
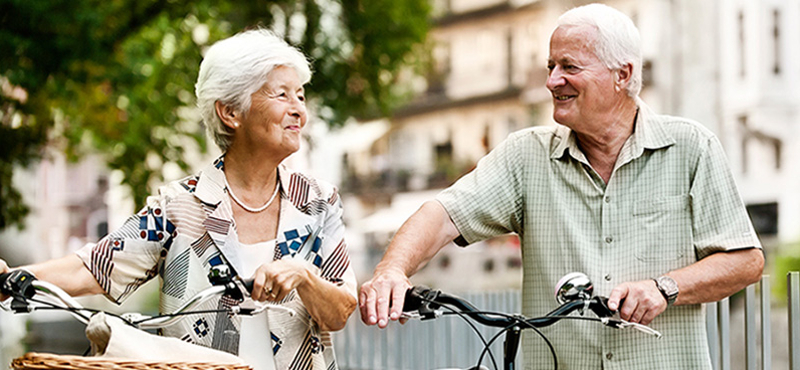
<point x="583" y="88"/>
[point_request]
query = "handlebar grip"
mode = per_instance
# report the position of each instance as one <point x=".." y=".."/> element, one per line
<point x="3" y="278"/>
<point x="414" y="299"/>
<point x="17" y="282"/>
<point x="248" y="284"/>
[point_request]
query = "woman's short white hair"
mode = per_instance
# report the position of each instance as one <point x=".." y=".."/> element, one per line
<point x="235" y="68"/>
<point x="618" y="40"/>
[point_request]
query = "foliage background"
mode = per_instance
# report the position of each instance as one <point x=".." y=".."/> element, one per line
<point x="117" y="77"/>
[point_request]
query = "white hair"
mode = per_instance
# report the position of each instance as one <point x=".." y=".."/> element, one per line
<point x="235" y="68"/>
<point x="618" y="41"/>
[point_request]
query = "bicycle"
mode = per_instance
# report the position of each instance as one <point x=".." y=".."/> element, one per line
<point x="574" y="292"/>
<point x="28" y="294"/>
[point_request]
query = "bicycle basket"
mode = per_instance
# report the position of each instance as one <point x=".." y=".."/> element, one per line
<point x="46" y="361"/>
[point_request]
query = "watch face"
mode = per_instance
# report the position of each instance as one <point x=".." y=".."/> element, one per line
<point x="668" y="285"/>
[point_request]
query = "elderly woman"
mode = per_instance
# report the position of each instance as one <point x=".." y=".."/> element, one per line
<point x="247" y="211"/>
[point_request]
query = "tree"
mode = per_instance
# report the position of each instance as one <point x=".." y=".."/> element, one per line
<point x="117" y="77"/>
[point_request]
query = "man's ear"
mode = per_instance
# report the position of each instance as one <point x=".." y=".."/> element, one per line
<point x="623" y="77"/>
<point x="227" y="115"/>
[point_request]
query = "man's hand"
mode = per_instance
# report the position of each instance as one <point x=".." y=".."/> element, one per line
<point x="3" y="270"/>
<point x="381" y="298"/>
<point x="641" y="301"/>
<point x="426" y="232"/>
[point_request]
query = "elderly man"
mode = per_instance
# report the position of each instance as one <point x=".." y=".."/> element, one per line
<point x="644" y="204"/>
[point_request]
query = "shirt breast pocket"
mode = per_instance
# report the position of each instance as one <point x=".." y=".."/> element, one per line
<point x="663" y="228"/>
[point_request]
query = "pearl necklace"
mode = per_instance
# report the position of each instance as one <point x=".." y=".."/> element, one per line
<point x="247" y="208"/>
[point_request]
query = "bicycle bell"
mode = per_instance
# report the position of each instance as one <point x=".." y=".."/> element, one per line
<point x="574" y="286"/>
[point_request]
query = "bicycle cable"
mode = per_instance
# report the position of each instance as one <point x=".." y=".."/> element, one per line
<point x="464" y="317"/>
<point x="198" y="312"/>
<point x="80" y="312"/>
<point x="519" y="320"/>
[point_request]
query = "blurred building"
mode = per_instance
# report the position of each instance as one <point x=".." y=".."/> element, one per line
<point x="723" y="63"/>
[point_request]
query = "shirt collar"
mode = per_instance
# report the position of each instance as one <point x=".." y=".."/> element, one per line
<point x="648" y="133"/>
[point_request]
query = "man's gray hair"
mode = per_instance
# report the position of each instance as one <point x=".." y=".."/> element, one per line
<point x="235" y="68"/>
<point x="618" y="41"/>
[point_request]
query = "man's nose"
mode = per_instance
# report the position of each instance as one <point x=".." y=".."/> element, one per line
<point x="555" y="78"/>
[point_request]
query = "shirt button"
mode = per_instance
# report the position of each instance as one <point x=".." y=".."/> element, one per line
<point x="608" y="277"/>
<point x="609" y="239"/>
<point x="609" y="355"/>
<point x="607" y="199"/>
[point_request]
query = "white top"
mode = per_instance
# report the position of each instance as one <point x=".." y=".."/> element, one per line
<point x="255" y="343"/>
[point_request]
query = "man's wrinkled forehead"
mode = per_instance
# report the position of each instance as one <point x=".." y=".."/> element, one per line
<point x="573" y="38"/>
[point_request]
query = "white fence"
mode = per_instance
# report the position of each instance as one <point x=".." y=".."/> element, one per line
<point x="449" y="342"/>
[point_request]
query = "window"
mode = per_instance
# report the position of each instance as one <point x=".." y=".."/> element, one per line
<point x="488" y="265"/>
<point x="745" y="137"/>
<point x="444" y="262"/>
<point x="741" y="45"/>
<point x="776" y="41"/>
<point x="764" y="218"/>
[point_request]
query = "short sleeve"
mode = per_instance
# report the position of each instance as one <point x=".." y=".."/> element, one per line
<point x="130" y="256"/>
<point x="719" y="218"/>
<point x="487" y="201"/>
<point x="336" y="266"/>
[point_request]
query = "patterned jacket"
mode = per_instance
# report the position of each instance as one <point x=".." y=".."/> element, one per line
<point x="189" y="227"/>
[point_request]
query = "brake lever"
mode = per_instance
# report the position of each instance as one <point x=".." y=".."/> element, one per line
<point x="612" y="318"/>
<point x="618" y="323"/>
<point x="416" y="315"/>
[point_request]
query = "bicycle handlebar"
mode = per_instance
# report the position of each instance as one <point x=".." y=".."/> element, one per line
<point x="22" y="286"/>
<point x="427" y="304"/>
<point x="574" y="292"/>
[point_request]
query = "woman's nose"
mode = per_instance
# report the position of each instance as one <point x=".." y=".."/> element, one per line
<point x="298" y="108"/>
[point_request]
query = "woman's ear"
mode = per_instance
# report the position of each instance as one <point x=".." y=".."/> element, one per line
<point x="227" y="115"/>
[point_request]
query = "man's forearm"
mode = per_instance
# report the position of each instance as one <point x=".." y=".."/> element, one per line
<point x="718" y="276"/>
<point x="710" y="279"/>
<point x="419" y="239"/>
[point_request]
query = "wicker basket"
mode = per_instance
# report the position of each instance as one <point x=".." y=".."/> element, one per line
<point x="46" y="361"/>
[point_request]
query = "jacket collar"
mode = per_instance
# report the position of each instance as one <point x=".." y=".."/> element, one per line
<point x="219" y="223"/>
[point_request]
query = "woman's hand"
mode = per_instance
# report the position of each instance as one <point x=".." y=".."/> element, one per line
<point x="274" y="280"/>
<point x="328" y="304"/>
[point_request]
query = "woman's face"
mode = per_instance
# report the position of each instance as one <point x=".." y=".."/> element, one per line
<point x="277" y="113"/>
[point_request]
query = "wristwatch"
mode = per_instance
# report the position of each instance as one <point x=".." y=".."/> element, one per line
<point x="668" y="288"/>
